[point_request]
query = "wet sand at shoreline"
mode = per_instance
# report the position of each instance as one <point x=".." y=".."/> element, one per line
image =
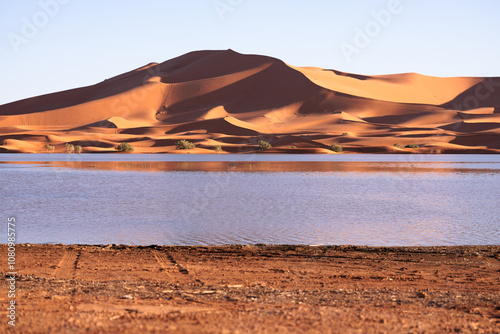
<point x="255" y="288"/>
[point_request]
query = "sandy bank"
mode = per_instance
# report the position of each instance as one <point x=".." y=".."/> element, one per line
<point x="253" y="289"/>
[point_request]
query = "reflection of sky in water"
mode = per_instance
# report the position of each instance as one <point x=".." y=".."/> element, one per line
<point x="100" y="206"/>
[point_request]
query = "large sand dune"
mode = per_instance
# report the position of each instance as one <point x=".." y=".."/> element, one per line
<point x="225" y="98"/>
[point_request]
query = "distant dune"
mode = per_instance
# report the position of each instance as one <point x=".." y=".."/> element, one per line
<point x="226" y="99"/>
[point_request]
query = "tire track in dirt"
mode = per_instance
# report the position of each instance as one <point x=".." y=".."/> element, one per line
<point x="68" y="264"/>
<point x="163" y="261"/>
<point x="165" y="258"/>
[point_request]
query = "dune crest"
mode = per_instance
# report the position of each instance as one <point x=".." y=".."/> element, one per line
<point x="224" y="101"/>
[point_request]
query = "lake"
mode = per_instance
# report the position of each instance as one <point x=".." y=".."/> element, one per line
<point x="187" y="199"/>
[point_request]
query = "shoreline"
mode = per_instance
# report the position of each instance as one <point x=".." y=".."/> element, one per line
<point x="362" y="151"/>
<point x="255" y="288"/>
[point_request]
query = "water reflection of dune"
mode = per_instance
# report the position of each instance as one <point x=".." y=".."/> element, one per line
<point x="272" y="166"/>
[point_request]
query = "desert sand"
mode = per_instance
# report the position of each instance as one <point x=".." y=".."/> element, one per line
<point x="231" y="100"/>
<point x="255" y="289"/>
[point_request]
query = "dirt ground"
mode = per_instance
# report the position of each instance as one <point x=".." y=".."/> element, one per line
<point x="253" y="289"/>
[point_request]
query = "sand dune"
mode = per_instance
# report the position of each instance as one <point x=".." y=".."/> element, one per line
<point x="231" y="100"/>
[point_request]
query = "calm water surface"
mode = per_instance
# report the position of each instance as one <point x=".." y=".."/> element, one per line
<point x="453" y="201"/>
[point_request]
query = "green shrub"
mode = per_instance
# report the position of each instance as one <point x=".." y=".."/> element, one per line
<point x="345" y="134"/>
<point x="78" y="149"/>
<point x="217" y="148"/>
<point x="335" y="148"/>
<point x="264" y="145"/>
<point x="50" y="148"/>
<point x="184" y="145"/>
<point x="70" y="148"/>
<point x="412" y="146"/>
<point x="124" y="147"/>
<point x="398" y="145"/>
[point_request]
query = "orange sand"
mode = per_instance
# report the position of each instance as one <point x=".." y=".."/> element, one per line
<point x="225" y="98"/>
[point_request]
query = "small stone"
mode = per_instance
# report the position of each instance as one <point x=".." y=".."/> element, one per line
<point x="128" y="297"/>
<point x="421" y="294"/>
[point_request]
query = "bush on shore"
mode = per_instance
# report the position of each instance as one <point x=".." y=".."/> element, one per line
<point x="264" y="145"/>
<point x="124" y="147"/>
<point x="398" y="145"/>
<point x="335" y="148"/>
<point x="184" y="145"/>
<point x="70" y="148"/>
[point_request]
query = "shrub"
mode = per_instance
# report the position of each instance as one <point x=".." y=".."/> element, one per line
<point x="412" y="146"/>
<point x="78" y="149"/>
<point x="184" y="145"/>
<point x="70" y="148"/>
<point x="124" y="147"/>
<point x="436" y="151"/>
<point x="335" y="148"/>
<point x="398" y="145"/>
<point x="345" y="134"/>
<point x="264" y="145"/>
<point x="50" y="148"/>
<point x="299" y="114"/>
<point x="217" y="148"/>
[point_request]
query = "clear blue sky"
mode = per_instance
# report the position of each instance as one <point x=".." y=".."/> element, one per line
<point x="82" y="42"/>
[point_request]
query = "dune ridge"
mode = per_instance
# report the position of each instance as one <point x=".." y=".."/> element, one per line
<point x="225" y="102"/>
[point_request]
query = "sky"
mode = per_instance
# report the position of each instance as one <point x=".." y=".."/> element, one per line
<point x="53" y="45"/>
